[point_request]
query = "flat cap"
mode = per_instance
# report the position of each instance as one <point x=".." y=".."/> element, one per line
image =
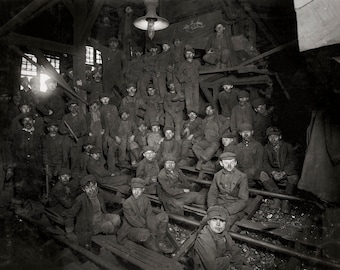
<point x="189" y="48"/>
<point x="227" y="155"/>
<point x="64" y="171"/>
<point x="124" y="109"/>
<point x="169" y="82"/>
<point x="147" y="148"/>
<point x="218" y="212"/>
<point x="257" y="102"/>
<point x="93" y="101"/>
<point x="155" y="123"/>
<point x="101" y="95"/>
<point x="26" y="115"/>
<point x="86" y="179"/>
<point x="73" y="101"/>
<point x="53" y="122"/>
<point x="168" y="128"/>
<point x="245" y="126"/>
<point x="243" y="93"/>
<point x="131" y="84"/>
<point x="95" y="150"/>
<point x="137" y="182"/>
<point x="273" y="131"/>
<point x="170" y="157"/>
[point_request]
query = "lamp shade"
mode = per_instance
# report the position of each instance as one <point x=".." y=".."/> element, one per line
<point x="143" y="23"/>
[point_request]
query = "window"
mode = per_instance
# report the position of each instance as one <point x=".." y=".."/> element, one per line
<point x="92" y="57"/>
<point x="30" y="70"/>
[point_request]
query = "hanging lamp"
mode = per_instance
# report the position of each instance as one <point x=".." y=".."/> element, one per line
<point x="151" y="21"/>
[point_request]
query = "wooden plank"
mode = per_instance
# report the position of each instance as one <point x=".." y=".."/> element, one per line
<point x="136" y="254"/>
<point x="287" y="232"/>
<point x="42" y="44"/>
<point x="22" y="16"/>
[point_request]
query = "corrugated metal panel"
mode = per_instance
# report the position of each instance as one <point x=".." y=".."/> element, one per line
<point x="318" y="23"/>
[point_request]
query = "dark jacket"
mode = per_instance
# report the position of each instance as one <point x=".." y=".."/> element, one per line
<point x="233" y="198"/>
<point x="287" y="159"/>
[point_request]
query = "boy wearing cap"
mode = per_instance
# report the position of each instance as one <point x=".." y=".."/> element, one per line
<point x="262" y="120"/>
<point x="213" y="127"/>
<point x="96" y="167"/>
<point x="140" y="224"/>
<point x="64" y="192"/>
<point x="164" y="59"/>
<point x="188" y="76"/>
<point x="155" y="138"/>
<point x="229" y="188"/>
<point x="25" y="108"/>
<point x="174" y="190"/>
<point x="95" y="86"/>
<point x="227" y="98"/>
<point x="148" y="170"/>
<point x="153" y="106"/>
<point x="53" y="105"/>
<point x="135" y="104"/>
<point x="214" y="247"/>
<point x="219" y="50"/>
<point x="89" y="212"/>
<point x="241" y="113"/>
<point x="85" y="157"/>
<point x="114" y="61"/>
<point x="109" y="119"/>
<point x="94" y="123"/>
<point x="137" y="142"/>
<point x="73" y="140"/>
<point x="191" y="133"/>
<point x="168" y="146"/>
<point x="27" y="155"/>
<point x="280" y="165"/>
<point x="52" y="149"/>
<point x="249" y="154"/>
<point x="173" y="109"/>
<point x="125" y="135"/>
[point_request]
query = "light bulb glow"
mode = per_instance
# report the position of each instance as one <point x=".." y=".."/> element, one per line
<point x="151" y="28"/>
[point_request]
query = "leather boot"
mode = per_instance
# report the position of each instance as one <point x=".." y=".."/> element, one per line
<point x="272" y="187"/>
<point x="289" y="191"/>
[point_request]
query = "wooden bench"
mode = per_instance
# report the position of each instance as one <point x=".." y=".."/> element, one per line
<point x="137" y="254"/>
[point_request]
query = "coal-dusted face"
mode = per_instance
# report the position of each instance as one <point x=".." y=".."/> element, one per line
<point x="217" y="225"/>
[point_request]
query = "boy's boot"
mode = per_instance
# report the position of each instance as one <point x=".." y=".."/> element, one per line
<point x="272" y="187"/>
<point x="164" y="246"/>
<point x="285" y="203"/>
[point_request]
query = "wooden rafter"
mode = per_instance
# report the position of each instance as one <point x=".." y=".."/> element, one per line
<point x="70" y="6"/>
<point x="23" y="16"/>
<point x="42" y="44"/>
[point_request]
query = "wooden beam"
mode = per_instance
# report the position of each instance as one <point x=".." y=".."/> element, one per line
<point x="70" y="6"/>
<point x="41" y="9"/>
<point x="42" y="44"/>
<point x="251" y="60"/>
<point x="54" y="74"/>
<point x="267" y="53"/>
<point x="91" y="18"/>
<point x="22" y="16"/>
<point x="79" y="41"/>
